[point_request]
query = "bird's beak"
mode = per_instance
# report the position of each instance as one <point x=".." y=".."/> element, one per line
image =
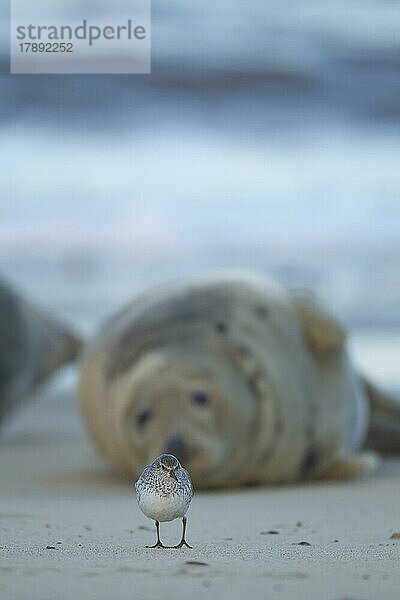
<point x="172" y="474"/>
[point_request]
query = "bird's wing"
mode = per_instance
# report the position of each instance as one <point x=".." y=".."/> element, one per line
<point x="187" y="477"/>
<point x="142" y="477"/>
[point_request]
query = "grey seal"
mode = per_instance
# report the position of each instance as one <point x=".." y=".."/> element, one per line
<point x="243" y="380"/>
<point x="32" y="346"/>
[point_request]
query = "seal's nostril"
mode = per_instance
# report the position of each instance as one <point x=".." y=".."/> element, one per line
<point x="176" y="445"/>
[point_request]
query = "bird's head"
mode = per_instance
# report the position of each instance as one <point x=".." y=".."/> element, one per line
<point x="167" y="466"/>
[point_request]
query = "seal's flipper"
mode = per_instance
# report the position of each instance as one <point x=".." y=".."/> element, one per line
<point x="384" y="434"/>
<point x="322" y="331"/>
<point x="354" y="466"/>
<point x="32" y="346"/>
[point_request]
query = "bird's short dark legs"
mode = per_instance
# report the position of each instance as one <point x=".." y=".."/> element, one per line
<point x="183" y="541"/>
<point x="158" y="543"/>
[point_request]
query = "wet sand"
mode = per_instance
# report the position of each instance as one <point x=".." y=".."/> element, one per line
<point x="69" y="529"/>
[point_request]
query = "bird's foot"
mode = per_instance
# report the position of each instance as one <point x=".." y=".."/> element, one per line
<point x="157" y="545"/>
<point x="181" y="544"/>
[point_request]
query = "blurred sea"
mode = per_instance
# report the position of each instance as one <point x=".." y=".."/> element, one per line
<point x="266" y="138"/>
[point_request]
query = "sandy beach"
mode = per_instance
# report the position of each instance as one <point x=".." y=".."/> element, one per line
<point x="265" y="140"/>
<point x="70" y="529"/>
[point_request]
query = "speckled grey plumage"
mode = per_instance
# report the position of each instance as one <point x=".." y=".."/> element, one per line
<point x="154" y="481"/>
<point x="164" y="492"/>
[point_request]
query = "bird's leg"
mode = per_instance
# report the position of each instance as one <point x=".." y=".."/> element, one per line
<point x="158" y="543"/>
<point x="183" y="542"/>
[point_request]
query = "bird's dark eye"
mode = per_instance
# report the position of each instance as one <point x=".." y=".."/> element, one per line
<point x="200" y="398"/>
<point x="142" y="419"/>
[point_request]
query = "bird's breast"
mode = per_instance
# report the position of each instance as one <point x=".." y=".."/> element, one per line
<point x="163" y="507"/>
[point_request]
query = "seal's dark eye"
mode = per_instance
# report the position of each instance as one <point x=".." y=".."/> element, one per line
<point x="142" y="419"/>
<point x="200" y="398"/>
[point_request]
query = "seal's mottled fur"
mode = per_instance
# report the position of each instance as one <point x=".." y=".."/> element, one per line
<point x="245" y="381"/>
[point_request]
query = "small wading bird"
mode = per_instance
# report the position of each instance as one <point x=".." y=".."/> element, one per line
<point x="164" y="492"/>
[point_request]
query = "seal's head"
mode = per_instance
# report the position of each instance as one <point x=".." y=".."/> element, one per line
<point x="187" y="405"/>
